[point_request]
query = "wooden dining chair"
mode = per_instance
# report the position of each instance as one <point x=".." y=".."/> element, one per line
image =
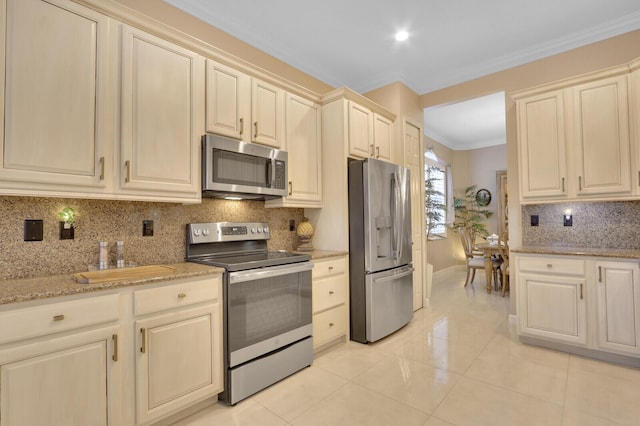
<point x="503" y="250"/>
<point x="474" y="258"/>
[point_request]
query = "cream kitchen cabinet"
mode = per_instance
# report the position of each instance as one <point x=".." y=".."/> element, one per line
<point x="370" y="133"/>
<point x="305" y="154"/>
<point x="574" y="139"/>
<point x="179" y="346"/>
<point x="634" y="114"/>
<point x="58" y="81"/>
<point x="162" y="117"/>
<point x="618" y="310"/>
<point x="60" y="364"/>
<point x="330" y="301"/>
<point x="243" y="107"/>
<point x="551" y="298"/>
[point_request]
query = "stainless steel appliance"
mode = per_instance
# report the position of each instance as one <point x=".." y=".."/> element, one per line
<point x="380" y="266"/>
<point x="267" y="304"/>
<point x="241" y="170"/>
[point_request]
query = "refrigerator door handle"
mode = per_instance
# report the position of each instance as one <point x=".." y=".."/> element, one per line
<point x="395" y="276"/>
<point x="396" y="209"/>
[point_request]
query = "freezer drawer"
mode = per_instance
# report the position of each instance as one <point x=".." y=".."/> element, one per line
<point x="389" y="301"/>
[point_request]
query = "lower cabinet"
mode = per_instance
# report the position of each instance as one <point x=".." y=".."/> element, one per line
<point x="330" y="301"/>
<point x="92" y="361"/>
<point x="58" y="378"/>
<point x="618" y="297"/>
<point x="589" y="302"/>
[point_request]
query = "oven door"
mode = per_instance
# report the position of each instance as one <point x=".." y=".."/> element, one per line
<point x="267" y="309"/>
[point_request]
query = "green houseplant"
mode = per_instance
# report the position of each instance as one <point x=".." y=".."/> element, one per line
<point x="469" y="214"/>
<point x="432" y="197"/>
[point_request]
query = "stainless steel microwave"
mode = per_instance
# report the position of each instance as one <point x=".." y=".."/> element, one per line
<point x="234" y="169"/>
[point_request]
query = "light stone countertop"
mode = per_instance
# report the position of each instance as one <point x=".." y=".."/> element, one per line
<point x="580" y="251"/>
<point x="323" y="254"/>
<point x="27" y="289"/>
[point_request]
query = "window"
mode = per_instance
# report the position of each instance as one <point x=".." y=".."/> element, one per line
<point x="435" y="177"/>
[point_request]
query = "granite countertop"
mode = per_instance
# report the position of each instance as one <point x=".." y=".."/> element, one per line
<point x="322" y="254"/>
<point x="27" y="289"/>
<point x="580" y="251"/>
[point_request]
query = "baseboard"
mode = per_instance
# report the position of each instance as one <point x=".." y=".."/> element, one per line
<point x="442" y="273"/>
<point x="513" y="319"/>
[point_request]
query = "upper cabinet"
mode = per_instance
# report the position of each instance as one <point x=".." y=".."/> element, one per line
<point x="64" y="132"/>
<point x="305" y="154"/>
<point x="575" y="139"/>
<point x="162" y="116"/>
<point x="370" y="133"/>
<point x="56" y="71"/>
<point x="243" y="107"/>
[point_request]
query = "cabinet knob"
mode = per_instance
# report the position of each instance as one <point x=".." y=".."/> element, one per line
<point x="330" y="268"/>
<point x="58" y="317"/>
<point x="181" y="296"/>
<point x="549" y="265"/>
<point x="331" y="292"/>
<point x="331" y="324"/>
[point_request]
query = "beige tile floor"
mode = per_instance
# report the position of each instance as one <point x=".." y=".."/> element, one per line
<point x="457" y="363"/>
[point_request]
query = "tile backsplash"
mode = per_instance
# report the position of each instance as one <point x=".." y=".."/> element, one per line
<point x="610" y="224"/>
<point x="98" y="220"/>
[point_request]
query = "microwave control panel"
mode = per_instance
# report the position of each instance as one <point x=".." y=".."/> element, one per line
<point x="281" y="175"/>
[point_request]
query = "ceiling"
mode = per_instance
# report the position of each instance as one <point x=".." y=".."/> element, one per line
<point x="351" y="42"/>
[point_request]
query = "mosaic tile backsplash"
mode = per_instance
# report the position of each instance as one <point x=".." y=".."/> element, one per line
<point x="611" y="224"/>
<point x="98" y="220"/>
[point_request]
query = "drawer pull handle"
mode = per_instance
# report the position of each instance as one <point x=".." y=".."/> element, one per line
<point x="58" y="317"/>
<point x="371" y="151"/>
<point x="115" y="347"/>
<point x="562" y="184"/>
<point x="331" y="324"/>
<point x="290" y="187"/>
<point x="599" y="274"/>
<point x="255" y="133"/>
<point x="182" y="296"/>
<point x="579" y="183"/>
<point x="331" y="292"/>
<point x="549" y="265"/>
<point x="377" y="152"/>
<point x="241" y="126"/>
<point x="143" y="347"/>
<point x="331" y="268"/>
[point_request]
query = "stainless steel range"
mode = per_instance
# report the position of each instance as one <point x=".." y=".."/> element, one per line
<point x="267" y="304"/>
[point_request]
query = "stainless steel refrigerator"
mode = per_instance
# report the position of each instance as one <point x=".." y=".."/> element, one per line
<point x="380" y="266"/>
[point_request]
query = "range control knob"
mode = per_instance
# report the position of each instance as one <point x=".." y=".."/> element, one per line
<point x="259" y="230"/>
<point x="205" y="231"/>
<point x="253" y="230"/>
<point x="196" y="232"/>
<point x="266" y="229"/>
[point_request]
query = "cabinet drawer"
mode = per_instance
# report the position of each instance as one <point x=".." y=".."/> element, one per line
<point x="56" y="317"/>
<point x="177" y="295"/>
<point x="329" y="325"/>
<point x="552" y="265"/>
<point x="329" y="292"/>
<point x="323" y="268"/>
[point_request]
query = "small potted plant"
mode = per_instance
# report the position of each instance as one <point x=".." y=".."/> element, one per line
<point x="68" y="223"/>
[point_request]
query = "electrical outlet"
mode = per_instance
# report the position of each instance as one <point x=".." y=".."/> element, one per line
<point x="567" y="220"/>
<point x="292" y="225"/>
<point x="33" y="230"/>
<point x="147" y="228"/>
<point x="534" y="220"/>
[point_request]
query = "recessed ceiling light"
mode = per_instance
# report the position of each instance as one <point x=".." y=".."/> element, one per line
<point x="402" y="35"/>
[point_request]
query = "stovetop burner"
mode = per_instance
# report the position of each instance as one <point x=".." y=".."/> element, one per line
<point x="235" y="246"/>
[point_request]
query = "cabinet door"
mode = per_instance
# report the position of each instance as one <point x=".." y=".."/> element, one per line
<point x="56" y="96"/>
<point x="267" y="114"/>
<point x="179" y="360"/>
<point x="228" y="102"/>
<point x="618" y="307"/>
<point x="162" y="115"/>
<point x="553" y="308"/>
<point x="634" y="115"/>
<point x="601" y="134"/>
<point x="382" y="135"/>
<point x="413" y="152"/>
<point x="303" y="146"/>
<point x="66" y="381"/>
<point x="542" y="146"/>
<point x="360" y="131"/>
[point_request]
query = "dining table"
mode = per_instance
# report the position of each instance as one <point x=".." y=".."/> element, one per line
<point x="488" y="250"/>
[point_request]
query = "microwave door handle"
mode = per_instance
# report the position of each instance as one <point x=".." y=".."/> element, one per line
<point x="270" y="172"/>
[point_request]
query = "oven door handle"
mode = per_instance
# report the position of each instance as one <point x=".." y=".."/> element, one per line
<point x="274" y="271"/>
